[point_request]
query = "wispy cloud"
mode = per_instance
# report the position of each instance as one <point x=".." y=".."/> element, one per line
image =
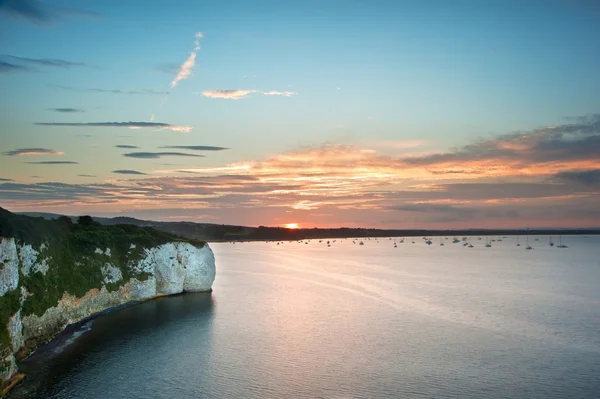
<point x="185" y="71"/>
<point x="227" y="94"/>
<point x="7" y="67"/>
<point x="44" y="62"/>
<point x="236" y="94"/>
<point x="28" y="9"/>
<point x="87" y="176"/>
<point x="128" y="172"/>
<point x="66" y="110"/>
<point x="111" y="91"/>
<point x="149" y="155"/>
<point x="584" y="177"/>
<point x="195" y="147"/>
<point x="53" y="163"/>
<point x="5" y="179"/>
<point x="33" y="151"/>
<point x="133" y="125"/>
<point x="40" y="12"/>
<point x="126" y="146"/>
<point x="279" y="93"/>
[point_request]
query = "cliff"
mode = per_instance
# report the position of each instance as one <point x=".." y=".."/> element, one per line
<point x="56" y="272"/>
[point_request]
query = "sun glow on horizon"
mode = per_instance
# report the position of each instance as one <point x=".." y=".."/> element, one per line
<point x="291" y="226"/>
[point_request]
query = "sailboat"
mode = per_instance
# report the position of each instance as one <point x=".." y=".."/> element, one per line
<point x="560" y="244"/>
<point x="551" y="243"/>
<point x="528" y="246"/>
<point x="518" y="241"/>
<point x="488" y="244"/>
<point x="441" y="243"/>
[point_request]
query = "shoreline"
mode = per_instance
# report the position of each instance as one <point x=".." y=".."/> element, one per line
<point x="71" y="328"/>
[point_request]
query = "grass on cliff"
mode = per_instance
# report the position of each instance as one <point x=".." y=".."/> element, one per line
<point x="70" y="252"/>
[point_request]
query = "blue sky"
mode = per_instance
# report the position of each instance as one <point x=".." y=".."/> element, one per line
<point x="288" y="87"/>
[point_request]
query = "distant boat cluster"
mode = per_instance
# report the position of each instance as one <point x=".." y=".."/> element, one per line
<point x="465" y="241"/>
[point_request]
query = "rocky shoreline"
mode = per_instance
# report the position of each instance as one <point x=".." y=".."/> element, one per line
<point x="168" y="269"/>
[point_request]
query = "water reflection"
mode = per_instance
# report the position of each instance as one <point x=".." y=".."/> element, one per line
<point x="141" y="328"/>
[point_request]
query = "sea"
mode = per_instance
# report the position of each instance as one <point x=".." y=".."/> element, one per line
<point x="386" y="319"/>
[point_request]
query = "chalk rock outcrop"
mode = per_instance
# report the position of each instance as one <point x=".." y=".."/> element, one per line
<point x="9" y="265"/>
<point x="167" y="269"/>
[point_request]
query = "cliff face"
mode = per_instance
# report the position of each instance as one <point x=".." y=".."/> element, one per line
<point x="47" y="285"/>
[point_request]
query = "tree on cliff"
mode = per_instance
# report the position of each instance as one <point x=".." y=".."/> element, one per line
<point x="85" y="220"/>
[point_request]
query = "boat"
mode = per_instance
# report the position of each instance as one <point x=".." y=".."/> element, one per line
<point x="441" y="242"/>
<point x="560" y="244"/>
<point x="528" y="246"/>
<point x="428" y="242"/>
<point x="551" y="243"/>
<point x="455" y="240"/>
<point x="361" y="243"/>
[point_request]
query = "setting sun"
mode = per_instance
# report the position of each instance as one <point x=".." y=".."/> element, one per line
<point x="291" y="226"/>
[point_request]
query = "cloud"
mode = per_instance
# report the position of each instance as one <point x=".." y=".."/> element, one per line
<point x="28" y="9"/>
<point x="33" y="151"/>
<point x="552" y="148"/>
<point x="132" y="125"/>
<point x="126" y="146"/>
<point x="513" y="180"/>
<point x="7" y="67"/>
<point x="4" y="179"/>
<point x="227" y="94"/>
<point x="45" y="62"/>
<point x="148" y="155"/>
<point x="128" y="172"/>
<point x="112" y="91"/>
<point x="53" y="162"/>
<point x="195" y="147"/>
<point x="236" y="94"/>
<point x="584" y="177"/>
<point x="185" y="71"/>
<point x="40" y="12"/>
<point x="66" y="110"/>
<point x="279" y="93"/>
<point x="86" y="175"/>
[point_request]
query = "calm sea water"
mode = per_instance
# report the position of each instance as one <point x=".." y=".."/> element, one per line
<point x="347" y="321"/>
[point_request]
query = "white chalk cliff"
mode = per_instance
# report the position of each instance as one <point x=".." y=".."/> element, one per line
<point x="171" y="268"/>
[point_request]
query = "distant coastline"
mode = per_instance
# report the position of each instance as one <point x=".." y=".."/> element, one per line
<point x="225" y="233"/>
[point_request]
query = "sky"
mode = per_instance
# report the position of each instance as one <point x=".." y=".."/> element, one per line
<point x="384" y="114"/>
